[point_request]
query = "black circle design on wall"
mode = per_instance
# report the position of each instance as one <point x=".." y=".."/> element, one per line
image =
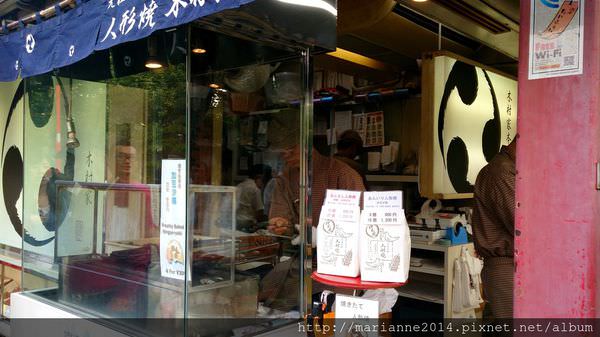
<point x="463" y="78"/>
<point x="490" y="139"/>
<point x="40" y="93"/>
<point x="12" y="185"/>
<point x="12" y="178"/>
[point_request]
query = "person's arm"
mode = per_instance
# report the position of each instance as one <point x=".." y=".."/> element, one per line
<point x="505" y="199"/>
<point x="280" y="214"/>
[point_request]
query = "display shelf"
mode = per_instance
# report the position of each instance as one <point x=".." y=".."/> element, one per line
<point x="430" y="267"/>
<point x="265" y="112"/>
<point x="451" y="196"/>
<point x="352" y="282"/>
<point x="392" y="178"/>
<point x="421" y="287"/>
<point x="424" y="291"/>
<point x="433" y="246"/>
<point x="13" y="260"/>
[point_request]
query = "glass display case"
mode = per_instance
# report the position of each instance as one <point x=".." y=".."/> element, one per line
<point x="149" y="193"/>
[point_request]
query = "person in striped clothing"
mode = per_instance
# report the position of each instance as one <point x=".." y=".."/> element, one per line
<point x="493" y="230"/>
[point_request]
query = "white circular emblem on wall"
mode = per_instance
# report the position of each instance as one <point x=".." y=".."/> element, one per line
<point x="30" y="44"/>
<point x="71" y="51"/>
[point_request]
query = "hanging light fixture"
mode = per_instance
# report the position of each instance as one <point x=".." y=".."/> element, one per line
<point x="198" y="50"/>
<point x="153" y="62"/>
<point x="197" y="44"/>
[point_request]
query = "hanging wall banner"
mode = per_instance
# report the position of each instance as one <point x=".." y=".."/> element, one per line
<point x="9" y="59"/>
<point x="556" y="38"/>
<point x="129" y="20"/>
<point x="94" y="25"/>
<point x="76" y="41"/>
<point x="172" y="219"/>
<point x="37" y="47"/>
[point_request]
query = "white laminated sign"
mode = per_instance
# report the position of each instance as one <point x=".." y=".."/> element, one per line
<point x="337" y="234"/>
<point x="172" y="219"/>
<point x="384" y="238"/>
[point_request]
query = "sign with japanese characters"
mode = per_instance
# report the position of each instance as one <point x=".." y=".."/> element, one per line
<point x="337" y="238"/>
<point x="75" y="234"/>
<point x="342" y="197"/>
<point x="93" y="25"/>
<point x="391" y="199"/>
<point x="384" y="238"/>
<point x="385" y="250"/>
<point x="556" y="38"/>
<point x="355" y="307"/>
<point x="172" y="219"/>
<point x="472" y="113"/>
<point x="128" y="20"/>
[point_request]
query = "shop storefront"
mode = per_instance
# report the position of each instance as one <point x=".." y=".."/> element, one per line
<point x="169" y="159"/>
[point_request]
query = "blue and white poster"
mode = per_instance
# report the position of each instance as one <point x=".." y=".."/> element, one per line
<point x="173" y="204"/>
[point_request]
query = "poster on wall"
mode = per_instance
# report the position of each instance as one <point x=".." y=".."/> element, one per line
<point x="49" y="160"/>
<point x="468" y="114"/>
<point x="556" y="38"/>
<point x="172" y="219"/>
<point x="370" y="128"/>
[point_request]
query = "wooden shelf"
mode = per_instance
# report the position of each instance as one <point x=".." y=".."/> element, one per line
<point x="392" y="178"/>
<point x="430" y="267"/>
<point x="423" y="291"/>
<point x="449" y="196"/>
<point x="433" y="246"/>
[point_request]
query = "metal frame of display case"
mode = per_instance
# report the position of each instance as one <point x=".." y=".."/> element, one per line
<point x="191" y="191"/>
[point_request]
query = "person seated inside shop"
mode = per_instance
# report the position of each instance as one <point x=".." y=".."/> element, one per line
<point x="250" y="206"/>
<point x="128" y="211"/>
<point x="327" y="173"/>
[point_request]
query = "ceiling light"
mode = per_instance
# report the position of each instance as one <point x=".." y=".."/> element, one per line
<point x="419" y="0"/>
<point x="214" y="86"/>
<point x="359" y="59"/>
<point x="198" y="50"/>
<point x="313" y="3"/>
<point x="153" y="64"/>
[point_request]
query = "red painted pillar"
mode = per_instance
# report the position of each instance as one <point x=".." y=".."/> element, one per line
<point x="557" y="244"/>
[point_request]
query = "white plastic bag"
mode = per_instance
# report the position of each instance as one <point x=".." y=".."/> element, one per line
<point x="466" y="293"/>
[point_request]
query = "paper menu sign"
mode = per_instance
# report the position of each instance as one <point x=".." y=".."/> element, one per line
<point x="354" y="314"/>
<point x="384" y="238"/>
<point x="342" y="197"/>
<point x="385" y="246"/>
<point x="337" y="240"/>
<point x="172" y="219"/>
<point x="388" y="199"/>
<point x="355" y="307"/>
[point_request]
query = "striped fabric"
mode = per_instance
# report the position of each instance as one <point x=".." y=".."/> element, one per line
<point x="327" y="174"/>
<point x="497" y="280"/>
<point x="493" y="230"/>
